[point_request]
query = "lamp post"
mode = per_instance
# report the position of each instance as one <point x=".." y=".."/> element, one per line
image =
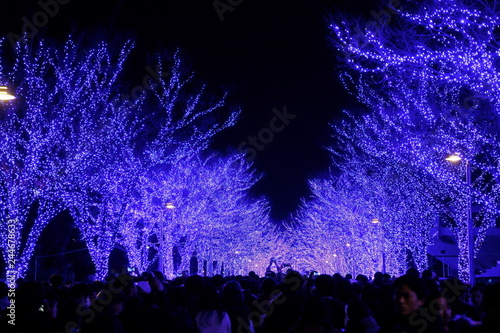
<point x="161" y="262"/>
<point x="376" y="221"/>
<point x="470" y="231"/>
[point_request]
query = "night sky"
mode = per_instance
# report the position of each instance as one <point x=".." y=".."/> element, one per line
<point x="268" y="54"/>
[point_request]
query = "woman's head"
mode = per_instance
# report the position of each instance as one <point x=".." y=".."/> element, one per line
<point x="477" y="295"/>
<point x="437" y="306"/>
<point x="443" y="309"/>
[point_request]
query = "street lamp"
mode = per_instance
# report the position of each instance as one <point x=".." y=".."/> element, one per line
<point x="161" y="264"/>
<point x="5" y="95"/>
<point x="470" y="231"/>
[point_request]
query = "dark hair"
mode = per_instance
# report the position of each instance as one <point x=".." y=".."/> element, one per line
<point x="56" y="280"/>
<point x="193" y="285"/>
<point x="267" y="286"/>
<point x="427" y="274"/>
<point x="210" y="300"/>
<point x="316" y="313"/>
<point x="413" y="282"/>
<point x="325" y="285"/>
<point x="345" y="290"/>
<point x="362" y="278"/>
<point x="413" y="271"/>
<point x="80" y="290"/>
<point x="253" y="275"/>
<point x="433" y="295"/>
<point x="357" y="310"/>
<point x="159" y="275"/>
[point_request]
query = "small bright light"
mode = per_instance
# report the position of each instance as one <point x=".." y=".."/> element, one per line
<point x="170" y="205"/>
<point x="5" y="95"/>
<point x="348" y="244"/>
<point x="454" y="158"/>
<point x="375" y="221"/>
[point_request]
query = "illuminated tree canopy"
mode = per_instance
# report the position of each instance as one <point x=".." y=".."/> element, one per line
<point x="429" y="76"/>
<point x="201" y="206"/>
<point x="70" y="141"/>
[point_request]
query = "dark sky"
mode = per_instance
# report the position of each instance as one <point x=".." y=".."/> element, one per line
<point x="270" y="54"/>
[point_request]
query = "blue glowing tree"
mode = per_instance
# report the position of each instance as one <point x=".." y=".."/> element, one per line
<point x="138" y="234"/>
<point x="183" y="117"/>
<point x="98" y="149"/>
<point x="71" y="142"/>
<point x="32" y="154"/>
<point x="429" y="75"/>
<point x="130" y="140"/>
<point x="335" y="232"/>
<point x="383" y="208"/>
<point x="202" y="206"/>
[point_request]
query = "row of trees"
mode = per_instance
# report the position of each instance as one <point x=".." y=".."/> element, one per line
<point x="71" y="142"/>
<point x="428" y="74"/>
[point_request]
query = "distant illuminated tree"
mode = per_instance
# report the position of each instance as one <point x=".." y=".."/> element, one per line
<point x="214" y="215"/>
<point x="430" y="76"/>
<point x="403" y="203"/>
<point x="182" y="118"/>
<point x="211" y="214"/>
<point x="99" y="210"/>
<point x="334" y="232"/>
<point x="407" y="200"/>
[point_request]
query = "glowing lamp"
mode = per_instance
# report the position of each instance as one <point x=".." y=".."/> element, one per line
<point x="170" y="205"/>
<point x="5" y="95"/>
<point x="454" y="158"/>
